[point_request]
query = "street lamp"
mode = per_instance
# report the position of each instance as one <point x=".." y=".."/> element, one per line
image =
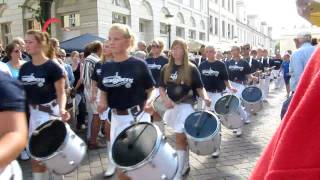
<point x="168" y="18"/>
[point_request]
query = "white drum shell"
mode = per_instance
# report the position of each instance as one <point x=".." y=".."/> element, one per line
<point x="69" y="155"/>
<point x="161" y="164"/>
<point x="253" y="107"/>
<point x="205" y="147"/>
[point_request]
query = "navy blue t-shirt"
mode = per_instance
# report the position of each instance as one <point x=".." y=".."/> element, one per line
<point x="255" y="65"/>
<point x="178" y="92"/>
<point x="96" y="75"/>
<point x="12" y="96"/>
<point x="238" y="70"/>
<point x="125" y="82"/>
<point x="277" y="63"/>
<point x="38" y="81"/>
<point x="267" y="62"/>
<point x="213" y="75"/>
<point x="155" y="65"/>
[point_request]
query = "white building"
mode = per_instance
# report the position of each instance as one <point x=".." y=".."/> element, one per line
<point x="197" y="21"/>
<point x="251" y="29"/>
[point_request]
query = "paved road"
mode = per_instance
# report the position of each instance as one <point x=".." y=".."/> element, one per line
<point x="237" y="159"/>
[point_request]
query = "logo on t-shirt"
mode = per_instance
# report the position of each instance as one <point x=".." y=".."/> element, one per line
<point x="174" y="76"/>
<point x="31" y="80"/>
<point x="154" y="66"/>
<point x="98" y="72"/>
<point x="235" y="68"/>
<point x="210" y="72"/>
<point x="117" y="81"/>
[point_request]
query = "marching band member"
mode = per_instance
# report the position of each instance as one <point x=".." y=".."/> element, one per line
<point x="239" y="74"/>
<point x="266" y="66"/>
<point x="126" y="84"/>
<point x="44" y="83"/>
<point x="13" y="127"/>
<point x="215" y="79"/>
<point x="180" y="81"/>
<point x="155" y="64"/>
<point x="96" y="77"/>
<point x="276" y="63"/>
<point x="253" y="63"/>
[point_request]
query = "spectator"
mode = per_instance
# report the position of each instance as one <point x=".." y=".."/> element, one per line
<point x="142" y="46"/>
<point x="300" y="58"/>
<point x="15" y="62"/>
<point x="62" y="55"/>
<point x="285" y="70"/>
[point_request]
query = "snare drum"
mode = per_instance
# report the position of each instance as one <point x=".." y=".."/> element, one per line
<point x="252" y="99"/>
<point x="142" y="151"/>
<point x="57" y="146"/>
<point x="203" y="132"/>
<point x="229" y="110"/>
<point x="159" y="107"/>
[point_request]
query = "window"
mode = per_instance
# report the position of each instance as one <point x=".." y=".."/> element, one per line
<point x="121" y="3"/>
<point x="232" y="31"/>
<point x="163" y="28"/>
<point x="32" y="24"/>
<point x="202" y="36"/>
<point x="71" y="20"/>
<point x="211" y="24"/>
<point x="216" y="1"/>
<point x="119" y="18"/>
<point x="229" y="8"/>
<point x="201" y="4"/>
<point x="216" y="26"/>
<point x="141" y="27"/>
<point x="223" y="3"/>
<point x="180" y="32"/>
<point x="192" y="34"/>
<point x="6" y="33"/>
<point x="229" y="31"/>
<point x="223" y="29"/>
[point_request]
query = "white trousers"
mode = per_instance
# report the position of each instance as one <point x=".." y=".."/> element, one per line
<point x="13" y="170"/>
<point x="176" y="116"/>
<point x="239" y="87"/>
<point x="39" y="117"/>
<point x="214" y="98"/>
<point x="120" y="122"/>
<point x="264" y="86"/>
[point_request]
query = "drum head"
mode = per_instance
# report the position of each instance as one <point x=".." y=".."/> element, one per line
<point x="50" y="137"/>
<point x="226" y="104"/>
<point x="252" y="94"/>
<point x="134" y="144"/>
<point x="201" y="124"/>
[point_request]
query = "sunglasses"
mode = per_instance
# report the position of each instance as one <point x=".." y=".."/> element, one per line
<point x="155" y="46"/>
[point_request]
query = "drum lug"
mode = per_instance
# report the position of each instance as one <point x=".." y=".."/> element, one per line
<point x="73" y="136"/>
<point x="164" y="177"/>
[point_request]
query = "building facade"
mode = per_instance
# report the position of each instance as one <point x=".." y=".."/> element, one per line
<point x="197" y="21"/>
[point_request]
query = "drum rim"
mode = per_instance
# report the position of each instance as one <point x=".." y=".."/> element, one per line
<point x="208" y="137"/>
<point x="251" y="102"/>
<point x="146" y="160"/>
<point x="239" y="104"/>
<point x="58" y="151"/>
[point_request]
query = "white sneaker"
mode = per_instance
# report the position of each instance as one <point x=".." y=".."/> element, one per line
<point x="24" y="155"/>
<point x="111" y="169"/>
<point x="239" y="132"/>
<point x="216" y="153"/>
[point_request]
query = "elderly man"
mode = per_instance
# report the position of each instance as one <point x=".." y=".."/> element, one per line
<point x="300" y="58"/>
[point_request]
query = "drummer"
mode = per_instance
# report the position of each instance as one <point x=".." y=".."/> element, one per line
<point x="155" y="64"/>
<point x="240" y="75"/>
<point x="126" y="84"/>
<point x="96" y="77"/>
<point x="215" y="79"/>
<point x="13" y="126"/>
<point x="180" y="82"/>
<point x="44" y="83"/>
<point x="254" y="64"/>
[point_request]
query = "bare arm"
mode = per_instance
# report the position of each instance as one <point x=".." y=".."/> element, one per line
<point x="61" y="98"/>
<point x="203" y="94"/>
<point x="228" y="85"/>
<point x="103" y="102"/>
<point x="80" y="81"/>
<point x="94" y="90"/>
<point x="13" y="136"/>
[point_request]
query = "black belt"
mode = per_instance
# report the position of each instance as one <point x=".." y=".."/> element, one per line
<point x="216" y="91"/>
<point x="134" y="110"/>
<point x="44" y="108"/>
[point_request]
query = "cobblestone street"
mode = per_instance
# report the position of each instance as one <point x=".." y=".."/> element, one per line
<point x="238" y="154"/>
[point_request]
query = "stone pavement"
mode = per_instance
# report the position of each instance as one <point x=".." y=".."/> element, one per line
<point x="238" y="154"/>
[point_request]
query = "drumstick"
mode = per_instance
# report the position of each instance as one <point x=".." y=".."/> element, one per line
<point x="228" y="102"/>
<point x="37" y="132"/>
<point x="130" y="146"/>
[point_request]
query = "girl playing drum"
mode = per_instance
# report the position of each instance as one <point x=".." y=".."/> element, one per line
<point x="180" y="82"/>
<point x="126" y="84"/>
<point x="44" y="84"/>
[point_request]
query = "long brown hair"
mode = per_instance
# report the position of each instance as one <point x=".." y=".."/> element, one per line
<point x="184" y="74"/>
